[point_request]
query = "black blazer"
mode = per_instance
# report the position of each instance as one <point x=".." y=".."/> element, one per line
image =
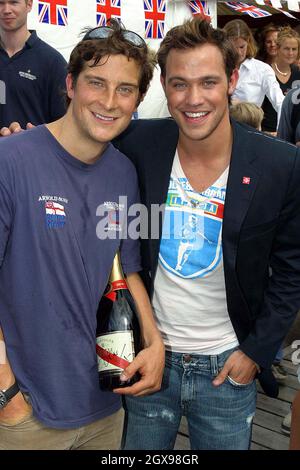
<point x="261" y="229"/>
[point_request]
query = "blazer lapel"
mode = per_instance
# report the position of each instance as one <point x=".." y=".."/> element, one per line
<point x="159" y="167"/>
<point x="160" y="163"/>
<point x="242" y="181"/>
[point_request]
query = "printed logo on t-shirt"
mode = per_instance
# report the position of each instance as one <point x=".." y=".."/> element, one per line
<point x="54" y="210"/>
<point x="191" y="244"/>
<point x="27" y="75"/>
<point x="114" y="220"/>
<point x="55" y="215"/>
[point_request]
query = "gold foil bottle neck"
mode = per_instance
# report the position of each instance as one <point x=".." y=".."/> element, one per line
<point x="116" y="270"/>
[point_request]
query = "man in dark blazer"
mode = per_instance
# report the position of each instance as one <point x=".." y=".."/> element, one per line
<point x="224" y="269"/>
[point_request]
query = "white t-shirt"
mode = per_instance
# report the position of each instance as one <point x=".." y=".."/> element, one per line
<point x="189" y="288"/>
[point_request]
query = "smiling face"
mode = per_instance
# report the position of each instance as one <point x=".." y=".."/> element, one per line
<point x="197" y="90"/>
<point x="104" y="98"/>
<point x="288" y="51"/>
<point x="271" y="44"/>
<point x="13" y="14"/>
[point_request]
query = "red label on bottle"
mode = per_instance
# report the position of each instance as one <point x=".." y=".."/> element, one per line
<point x="111" y="296"/>
<point x="116" y="285"/>
<point x="111" y="358"/>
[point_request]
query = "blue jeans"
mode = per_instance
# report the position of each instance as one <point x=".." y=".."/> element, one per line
<point x="218" y="417"/>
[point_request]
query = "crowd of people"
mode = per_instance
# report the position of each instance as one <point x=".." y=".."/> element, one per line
<point x="216" y="289"/>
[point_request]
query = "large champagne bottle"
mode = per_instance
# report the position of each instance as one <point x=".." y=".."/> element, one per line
<point x="118" y="332"/>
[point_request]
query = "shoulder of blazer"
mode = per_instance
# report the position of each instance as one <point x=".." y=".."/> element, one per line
<point x="146" y="133"/>
<point x="251" y="145"/>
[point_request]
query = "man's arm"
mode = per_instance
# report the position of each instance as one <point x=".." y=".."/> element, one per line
<point x="16" y="409"/>
<point x="151" y="360"/>
<point x="282" y="293"/>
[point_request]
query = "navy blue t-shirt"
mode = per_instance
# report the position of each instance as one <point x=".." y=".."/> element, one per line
<point x="32" y="84"/>
<point x="54" y="269"/>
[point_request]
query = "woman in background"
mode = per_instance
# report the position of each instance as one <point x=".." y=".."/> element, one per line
<point x="287" y="73"/>
<point x="267" y="44"/>
<point x="256" y="79"/>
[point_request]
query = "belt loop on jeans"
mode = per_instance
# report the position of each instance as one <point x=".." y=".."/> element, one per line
<point x="214" y="365"/>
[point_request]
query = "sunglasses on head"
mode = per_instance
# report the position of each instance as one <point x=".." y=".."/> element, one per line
<point x="103" y="32"/>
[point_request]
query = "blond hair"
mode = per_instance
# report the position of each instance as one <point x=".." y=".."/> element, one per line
<point x="288" y="33"/>
<point x="247" y="113"/>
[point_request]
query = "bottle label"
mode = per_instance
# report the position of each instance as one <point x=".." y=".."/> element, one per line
<point x="115" y="350"/>
<point x="114" y="286"/>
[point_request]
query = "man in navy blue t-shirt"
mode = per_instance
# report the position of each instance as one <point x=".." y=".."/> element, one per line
<point x="32" y="73"/>
<point x="55" y="263"/>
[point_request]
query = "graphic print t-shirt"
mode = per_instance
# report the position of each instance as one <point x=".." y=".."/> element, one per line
<point x="189" y="297"/>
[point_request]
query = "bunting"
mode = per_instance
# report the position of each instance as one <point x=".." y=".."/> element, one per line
<point x="107" y="9"/>
<point x="53" y="12"/>
<point x="250" y="10"/>
<point x="199" y="8"/>
<point x="155" y="12"/>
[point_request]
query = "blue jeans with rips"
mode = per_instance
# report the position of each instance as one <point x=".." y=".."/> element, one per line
<point x="218" y="417"/>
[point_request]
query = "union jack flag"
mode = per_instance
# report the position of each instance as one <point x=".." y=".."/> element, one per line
<point x="155" y="12"/>
<point x="53" y="12"/>
<point x="107" y="9"/>
<point x="201" y="9"/>
<point x="286" y="13"/>
<point x="250" y="10"/>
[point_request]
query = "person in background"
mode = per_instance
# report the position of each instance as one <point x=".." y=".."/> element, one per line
<point x="230" y="210"/>
<point x="256" y="79"/>
<point x="53" y="266"/>
<point x="32" y="72"/>
<point x="287" y="73"/>
<point x="247" y="113"/>
<point x="289" y="130"/>
<point x="267" y="44"/>
<point x="289" y="124"/>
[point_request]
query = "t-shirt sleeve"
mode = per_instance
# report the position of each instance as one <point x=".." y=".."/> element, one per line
<point x="57" y="88"/>
<point x="130" y="244"/>
<point x="6" y="217"/>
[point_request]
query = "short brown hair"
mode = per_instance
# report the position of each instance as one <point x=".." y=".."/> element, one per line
<point x="239" y="29"/>
<point x="247" y="113"/>
<point x="94" y="49"/>
<point x="193" y="33"/>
